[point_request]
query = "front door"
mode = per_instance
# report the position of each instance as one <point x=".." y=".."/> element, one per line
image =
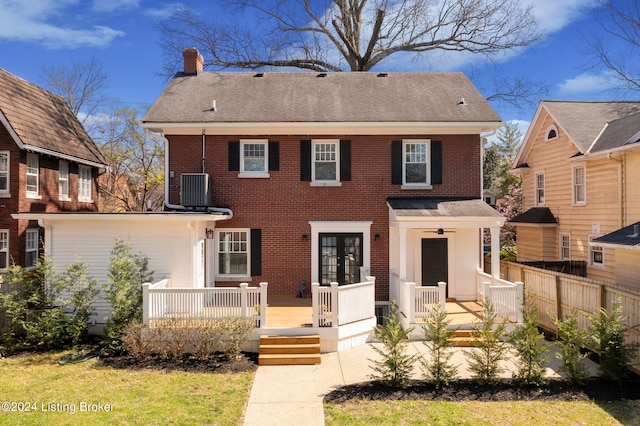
<point x="340" y="258"/>
<point x="435" y="264"/>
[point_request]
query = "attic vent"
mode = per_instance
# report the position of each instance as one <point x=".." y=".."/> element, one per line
<point x="259" y="74"/>
<point x="322" y="74"/>
<point x="382" y="74"/>
<point x="195" y="190"/>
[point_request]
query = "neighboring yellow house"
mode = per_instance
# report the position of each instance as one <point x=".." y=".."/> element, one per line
<point x="580" y="168"/>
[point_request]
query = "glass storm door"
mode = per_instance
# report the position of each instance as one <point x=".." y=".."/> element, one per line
<point x="340" y="258"/>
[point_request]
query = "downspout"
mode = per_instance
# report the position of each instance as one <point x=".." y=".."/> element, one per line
<point x="227" y="212"/>
<point x="621" y="188"/>
<point x="203" y="155"/>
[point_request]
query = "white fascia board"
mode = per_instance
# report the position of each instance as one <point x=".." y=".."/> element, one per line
<point x="413" y="222"/>
<point x="305" y="128"/>
<point x="151" y="216"/>
<point x="534" y="225"/>
<point x="602" y="154"/>
<point x="615" y="246"/>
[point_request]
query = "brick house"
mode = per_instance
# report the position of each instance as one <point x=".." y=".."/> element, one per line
<point x="48" y="163"/>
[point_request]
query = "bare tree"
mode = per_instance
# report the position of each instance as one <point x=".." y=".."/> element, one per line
<point x="620" y="20"/>
<point x="136" y="179"/>
<point x="345" y="35"/>
<point x="82" y="85"/>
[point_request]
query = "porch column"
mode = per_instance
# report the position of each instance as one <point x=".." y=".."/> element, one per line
<point x="263" y="302"/>
<point x="495" y="253"/>
<point x="145" y="303"/>
<point x="402" y="251"/>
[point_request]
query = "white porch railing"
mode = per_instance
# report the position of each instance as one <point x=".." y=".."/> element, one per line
<point x="505" y="296"/>
<point x="335" y="305"/>
<point x="159" y="301"/>
<point x="415" y="302"/>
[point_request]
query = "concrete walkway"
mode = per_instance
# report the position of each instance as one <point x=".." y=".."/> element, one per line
<point x="292" y="394"/>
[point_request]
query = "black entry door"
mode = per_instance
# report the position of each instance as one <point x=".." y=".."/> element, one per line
<point x="435" y="264"/>
<point x="340" y="258"/>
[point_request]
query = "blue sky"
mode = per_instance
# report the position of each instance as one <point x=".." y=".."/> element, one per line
<point x="122" y="35"/>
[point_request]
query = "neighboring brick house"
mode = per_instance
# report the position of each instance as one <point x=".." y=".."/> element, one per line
<point x="48" y="163"/>
<point x="327" y="172"/>
<point x="580" y="164"/>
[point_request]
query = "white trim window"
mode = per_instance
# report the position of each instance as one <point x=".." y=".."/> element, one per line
<point x="565" y="246"/>
<point x="325" y="159"/>
<point x="233" y="253"/>
<point x="31" y="248"/>
<point x="4" y="173"/>
<point x="539" y="188"/>
<point x="63" y="180"/>
<point x="84" y="184"/>
<point x="4" y="249"/>
<point x="596" y="253"/>
<point x="416" y="163"/>
<point x="33" y="175"/>
<point x="552" y="133"/>
<point x="579" y="185"/>
<point x="254" y="158"/>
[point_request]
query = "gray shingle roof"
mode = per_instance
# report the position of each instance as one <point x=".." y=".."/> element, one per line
<point x="44" y="121"/>
<point x="584" y="121"/>
<point x="627" y="237"/>
<point x="536" y="216"/>
<point x="436" y="207"/>
<point x="307" y="97"/>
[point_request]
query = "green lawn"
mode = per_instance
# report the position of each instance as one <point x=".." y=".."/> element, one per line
<point x="87" y="393"/>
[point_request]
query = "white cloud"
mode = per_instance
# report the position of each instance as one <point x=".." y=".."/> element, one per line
<point x="31" y="21"/>
<point x="586" y="83"/>
<point x="113" y="5"/>
<point x="162" y="12"/>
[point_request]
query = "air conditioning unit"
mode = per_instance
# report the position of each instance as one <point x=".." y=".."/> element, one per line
<point x="195" y="190"/>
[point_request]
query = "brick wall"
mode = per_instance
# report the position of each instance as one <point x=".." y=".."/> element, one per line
<point x="283" y="205"/>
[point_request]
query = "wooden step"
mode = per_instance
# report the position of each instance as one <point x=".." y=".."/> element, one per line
<point x="289" y="350"/>
<point x="462" y="338"/>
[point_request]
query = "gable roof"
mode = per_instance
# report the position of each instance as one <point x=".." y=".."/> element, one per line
<point x="592" y="126"/>
<point x="243" y="99"/>
<point x="627" y="237"/>
<point x="41" y="121"/>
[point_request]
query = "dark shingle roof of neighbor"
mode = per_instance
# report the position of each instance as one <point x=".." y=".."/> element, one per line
<point x="43" y="120"/>
<point x="441" y="207"/>
<point x="535" y="215"/>
<point x="243" y="97"/>
<point x="584" y="121"/>
<point x="626" y="237"/>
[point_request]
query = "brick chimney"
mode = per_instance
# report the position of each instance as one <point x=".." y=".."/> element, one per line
<point x="193" y="61"/>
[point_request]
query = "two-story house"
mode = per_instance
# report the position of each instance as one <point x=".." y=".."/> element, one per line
<point x="579" y="163"/>
<point x="48" y="163"/>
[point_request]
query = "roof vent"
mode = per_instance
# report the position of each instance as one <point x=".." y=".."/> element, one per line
<point x="213" y="105"/>
<point x="259" y="75"/>
<point x="322" y="74"/>
<point x="636" y="231"/>
<point x="382" y="74"/>
<point x="462" y="102"/>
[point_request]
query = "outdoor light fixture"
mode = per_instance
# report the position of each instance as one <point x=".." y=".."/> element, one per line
<point x="440" y="231"/>
<point x="305" y="237"/>
<point x="209" y="233"/>
<point x="377" y="237"/>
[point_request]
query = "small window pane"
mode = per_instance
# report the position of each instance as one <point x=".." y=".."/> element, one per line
<point x="254" y="157"/>
<point x="325" y="162"/>
<point x="232" y="253"/>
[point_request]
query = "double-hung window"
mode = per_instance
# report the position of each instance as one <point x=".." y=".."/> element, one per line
<point x="31" y="248"/>
<point x="33" y="175"/>
<point x="4" y="249"/>
<point x="579" y="185"/>
<point x="326" y="161"/>
<point x="565" y="246"/>
<point x="84" y="184"/>
<point x="539" y="189"/>
<point x="233" y="253"/>
<point x="596" y="254"/>
<point x="4" y="173"/>
<point x="63" y="180"/>
<point x="254" y="158"/>
<point x="416" y="167"/>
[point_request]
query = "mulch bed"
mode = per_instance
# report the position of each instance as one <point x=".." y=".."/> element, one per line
<point x="215" y="364"/>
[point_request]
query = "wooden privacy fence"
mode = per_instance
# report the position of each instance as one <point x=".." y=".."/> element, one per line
<point x="557" y="293"/>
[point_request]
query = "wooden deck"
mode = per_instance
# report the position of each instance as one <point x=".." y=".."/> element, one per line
<point x="290" y="311"/>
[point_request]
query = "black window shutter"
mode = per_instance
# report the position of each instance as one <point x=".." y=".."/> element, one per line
<point x="256" y="252"/>
<point x="234" y="156"/>
<point x="305" y="160"/>
<point x="345" y="160"/>
<point x="436" y="162"/>
<point x="396" y="162"/>
<point x="274" y="156"/>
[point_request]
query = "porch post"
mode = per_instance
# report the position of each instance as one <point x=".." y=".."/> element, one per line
<point x="519" y="300"/>
<point x="334" y="305"/>
<point x="263" y="304"/>
<point x="486" y="287"/>
<point x="243" y="299"/>
<point x="495" y="253"/>
<point x="443" y="295"/>
<point x="412" y="303"/>
<point x="314" y="303"/>
<point x="402" y="249"/>
<point x="145" y="303"/>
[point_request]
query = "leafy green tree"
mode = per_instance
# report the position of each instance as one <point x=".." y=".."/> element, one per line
<point x="127" y="272"/>
<point x="438" y="334"/>
<point x="571" y="343"/>
<point x="396" y="366"/>
<point x="490" y="350"/>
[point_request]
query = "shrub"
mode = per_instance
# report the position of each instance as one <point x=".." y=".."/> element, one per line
<point x="487" y="336"/>
<point x="234" y="333"/>
<point x="437" y="333"/>
<point x="127" y="272"/>
<point x="572" y="340"/>
<point x="608" y="331"/>
<point x="396" y="366"/>
<point x="529" y="344"/>
<point x="133" y="340"/>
